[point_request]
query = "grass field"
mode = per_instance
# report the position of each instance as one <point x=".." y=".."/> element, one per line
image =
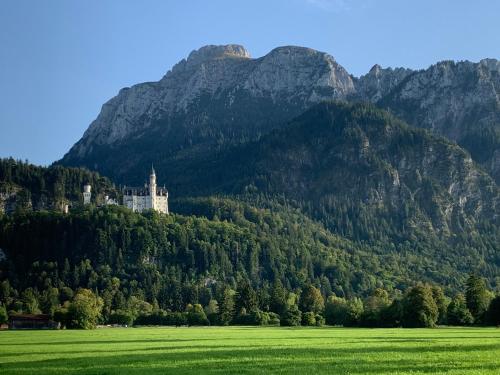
<point x="243" y="350"/>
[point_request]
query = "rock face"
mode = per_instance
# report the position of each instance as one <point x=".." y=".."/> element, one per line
<point x="460" y="101"/>
<point x="220" y="96"/>
<point x="294" y="77"/>
<point x="379" y="82"/>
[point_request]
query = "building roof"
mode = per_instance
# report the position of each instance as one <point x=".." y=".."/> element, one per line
<point x="39" y="317"/>
<point x="144" y="191"/>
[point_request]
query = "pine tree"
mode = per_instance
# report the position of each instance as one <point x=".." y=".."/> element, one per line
<point x="477" y="297"/>
<point x="278" y="298"/>
<point x="226" y="308"/>
<point x="246" y="298"/>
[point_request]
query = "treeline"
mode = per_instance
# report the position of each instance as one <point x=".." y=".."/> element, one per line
<point x="35" y="187"/>
<point x="422" y="305"/>
<point x="232" y="263"/>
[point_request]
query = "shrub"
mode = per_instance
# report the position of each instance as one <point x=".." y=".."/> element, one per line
<point x="274" y="319"/>
<point x="121" y="317"/>
<point x="493" y="315"/>
<point x="320" y="320"/>
<point x="196" y="316"/>
<point x="458" y="314"/>
<point x="4" y="317"/>
<point x="309" y="319"/>
<point x="291" y="317"/>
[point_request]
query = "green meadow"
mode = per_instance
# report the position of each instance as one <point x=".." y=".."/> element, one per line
<point x="249" y="350"/>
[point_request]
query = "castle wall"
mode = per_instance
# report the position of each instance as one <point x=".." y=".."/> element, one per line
<point x="139" y="203"/>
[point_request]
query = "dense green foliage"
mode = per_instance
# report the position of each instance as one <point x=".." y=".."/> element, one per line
<point x="372" y="179"/>
<point x="419" y="309"/>
<point x="247" y="350"/>
<point x="477" y="297"/>
<point x="27" y="186"/>
<point x="244" y="266"/>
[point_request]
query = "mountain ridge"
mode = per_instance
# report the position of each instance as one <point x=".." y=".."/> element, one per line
<point x="220" y="95"/>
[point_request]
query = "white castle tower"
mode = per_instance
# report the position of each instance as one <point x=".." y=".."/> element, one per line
<point x="148" y="197"/>
<point x="87" y="194"/>
<point x="152" y="188"/>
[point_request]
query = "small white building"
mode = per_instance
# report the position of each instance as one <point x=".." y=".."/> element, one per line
<point x="148" y="197"/>
<point x="87" y="194"/>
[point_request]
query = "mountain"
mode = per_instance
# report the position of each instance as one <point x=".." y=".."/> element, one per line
<point x="358" y="158"/>
<point x="459" y="100"/>
<point x="220" y="96"/>
<point x="257" y="130"/>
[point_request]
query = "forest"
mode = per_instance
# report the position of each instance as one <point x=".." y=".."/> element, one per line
<point x="108" y="265"/>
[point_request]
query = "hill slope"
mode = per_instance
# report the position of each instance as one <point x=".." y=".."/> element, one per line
<point x="26" y="186"/>
<point x="337" y="154"/>
<point x="370" y="178"/>
<point x="457" y="100"/>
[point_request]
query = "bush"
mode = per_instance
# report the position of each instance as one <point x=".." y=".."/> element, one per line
<point x="196" y="316"/>
<point x="256" y="318"/>
<point x="121" y="317"/>
<point x="61" y="315"/>
<point x="320" y="320"/>
<point x="493" y="314"/>
<point x="339" y="311"/>
<point x="458" y="314"/>
<point x="291" y="317"/>
<point x="214" y="320"/>
<point x="162" y="318"/>
<point x="274" y="319"/>
<point x="4" y="317"/>
<point x="309" y="319"/>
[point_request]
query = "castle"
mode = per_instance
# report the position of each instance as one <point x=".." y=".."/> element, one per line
<point x="138" y="199"/>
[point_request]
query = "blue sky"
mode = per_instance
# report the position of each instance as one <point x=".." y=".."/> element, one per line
<point x="61" y="60"/>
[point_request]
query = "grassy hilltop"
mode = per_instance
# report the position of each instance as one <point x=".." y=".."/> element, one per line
<point x="246" y="350"/>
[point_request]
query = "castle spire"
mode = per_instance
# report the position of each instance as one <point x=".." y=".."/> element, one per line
<point x="152" y="170"/>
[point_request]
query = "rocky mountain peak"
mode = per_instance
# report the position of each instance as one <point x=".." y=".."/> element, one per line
<point x="379" y="81"/>
<point x="375" y="69"/>
<point x="211" y="52"/>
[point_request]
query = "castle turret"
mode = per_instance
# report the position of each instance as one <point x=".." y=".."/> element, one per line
<point x="87" y="193"/>
<point x="152" y="188"/>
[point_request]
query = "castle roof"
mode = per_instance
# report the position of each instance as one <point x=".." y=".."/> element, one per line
<point x="144" y="191"/>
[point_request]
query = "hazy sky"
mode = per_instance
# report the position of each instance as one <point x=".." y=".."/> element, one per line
<point x="61" y="60"/>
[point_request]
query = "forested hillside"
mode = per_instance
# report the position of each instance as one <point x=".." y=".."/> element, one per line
<point x="24" y="186"/>
<point x="370" y="178"/>
<point x="154" y="268"/>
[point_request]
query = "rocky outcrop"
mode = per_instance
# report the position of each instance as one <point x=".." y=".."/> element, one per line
<point x="459" y="100"/>
<point x="379" y="82"/>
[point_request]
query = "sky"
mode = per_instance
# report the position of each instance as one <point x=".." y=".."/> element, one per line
<point x="60" y="60"/>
